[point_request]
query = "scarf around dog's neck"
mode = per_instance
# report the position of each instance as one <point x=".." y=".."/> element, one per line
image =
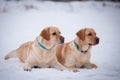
<point x="41" y="45"/>
<point x="78" y="48"/>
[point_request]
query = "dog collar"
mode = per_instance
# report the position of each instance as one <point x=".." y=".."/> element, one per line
<point x="78" y="48"/>
<point x="41" y="45"/>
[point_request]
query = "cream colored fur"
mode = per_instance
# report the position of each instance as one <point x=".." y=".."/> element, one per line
<point x="72" y="58"/>
<point x="31" y="54"/>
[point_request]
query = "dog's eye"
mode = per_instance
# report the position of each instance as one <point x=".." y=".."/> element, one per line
<point x="89" y="34"/>
<point x="54" y="33"/>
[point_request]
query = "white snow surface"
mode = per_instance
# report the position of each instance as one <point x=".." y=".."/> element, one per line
<point x="22" y="21"/>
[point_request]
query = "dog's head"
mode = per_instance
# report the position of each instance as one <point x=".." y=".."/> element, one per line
<point x="88" y="35"/>
<point x="52" y="34"/>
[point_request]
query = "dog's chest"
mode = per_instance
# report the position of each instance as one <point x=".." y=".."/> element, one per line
<point x="81" y="59"/>
<point x="46" y="59"/>
<point x="43" y="58"/>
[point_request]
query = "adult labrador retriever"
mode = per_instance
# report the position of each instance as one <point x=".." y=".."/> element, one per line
<point x="76" y="54"/>
<point x="39" y="52"/>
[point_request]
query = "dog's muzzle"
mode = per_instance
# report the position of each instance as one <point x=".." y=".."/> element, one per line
<point x="97" y="40"/>
<point x="61" y="39"/>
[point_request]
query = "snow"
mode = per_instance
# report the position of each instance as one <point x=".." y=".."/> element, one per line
<point x="22" y="21"/>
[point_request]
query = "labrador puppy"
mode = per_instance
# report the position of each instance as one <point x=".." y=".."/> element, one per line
<point x="77" y="53"/>
<point x="39" y="52"/>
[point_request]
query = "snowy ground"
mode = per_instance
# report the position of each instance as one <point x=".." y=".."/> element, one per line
<point x="23" y="21"/>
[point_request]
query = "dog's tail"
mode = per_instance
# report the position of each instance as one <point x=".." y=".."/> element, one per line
<point x="11" y="54"/>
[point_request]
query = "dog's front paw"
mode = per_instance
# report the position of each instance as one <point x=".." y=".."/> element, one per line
<point x="26" y="68"/>
<point x="90" y="66"/>
<point x="94" y="66"/>
<point x="74" y="69"/>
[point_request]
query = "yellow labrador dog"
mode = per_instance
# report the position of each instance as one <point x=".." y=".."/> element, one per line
<point x="76" y="54"/>
<point x="39" y="52"/>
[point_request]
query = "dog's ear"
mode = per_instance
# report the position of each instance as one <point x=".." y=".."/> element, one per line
<point x="81" y="34"/>
<point x="45" y="33"/>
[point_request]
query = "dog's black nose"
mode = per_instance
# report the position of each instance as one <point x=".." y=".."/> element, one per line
<point x="61" y="39"/>
<point x="97" y="40"/>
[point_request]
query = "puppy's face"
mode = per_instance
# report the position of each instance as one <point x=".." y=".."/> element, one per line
<point x="52" y="34"/>
<point x="88" y="35"/>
